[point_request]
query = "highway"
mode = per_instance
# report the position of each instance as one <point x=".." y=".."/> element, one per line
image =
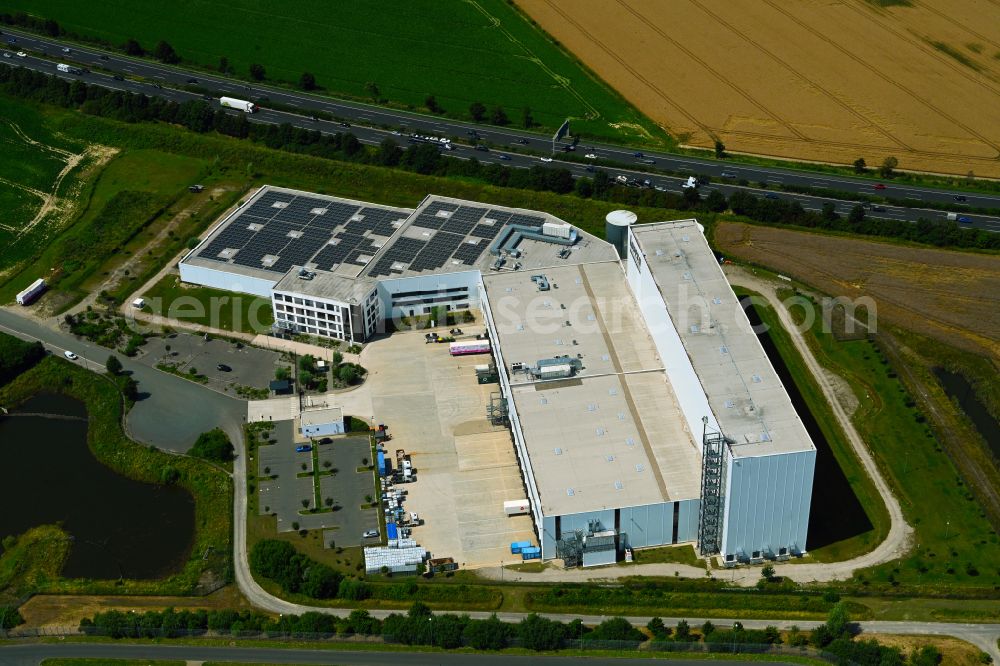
<point x="371" y="124"/>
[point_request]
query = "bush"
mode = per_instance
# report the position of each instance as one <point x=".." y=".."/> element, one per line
<point x="17" y="356"/>
<point x="213" y="445"/>
<point x="616" y="629"/>
<point x="9" y="617"/>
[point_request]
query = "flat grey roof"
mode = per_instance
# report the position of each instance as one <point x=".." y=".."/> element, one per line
<point x="744" y="391"/>
<point x="321" y="416"/>
<point x="278" y="227"/>
<point x="326" y="285"/>
<point x="613" y="434"/>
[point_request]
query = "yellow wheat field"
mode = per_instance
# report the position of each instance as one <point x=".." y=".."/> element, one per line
<point x="823" y="80"/>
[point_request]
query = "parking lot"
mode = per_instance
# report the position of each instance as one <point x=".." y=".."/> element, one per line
<point x="290" y="485"/>
<point x="466" y="467"/>
<point x="248" y="366"/>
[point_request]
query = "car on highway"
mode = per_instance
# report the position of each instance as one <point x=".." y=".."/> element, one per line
<point x="481" y="148"/>
<point x="690" y="183"/>
<point x="877" y="208"/>
<point x="960" y="197"/>
<point x="879" y="186"/>
<point x="648" y="160"/>
<point x="370" y="534"/>
<point x="104" y="57"/>
<point x="222" y="367"/>
<point x="6" y="54"/>
<point x="590" y="168"/>
<point x="192" y="80"/>
<point x="505" y="158"/>
<point x="65" y="49"/>
<point x="22" y="54"/>
<point x="397" y="133"/>
<point x="303" y="448"/>
<point x="118" y="77"/>
<point x="771" y="195"/>
<point x="546" y="159"/>
<point x="70" y="355"/>
<point x="591" y="156"/>
<point x="11" y="40"/>
<point x="965" y="219"/>
<point x="523" y="142"/>
<point x="659" y="188"/>
<point x="344" y="124"/>
<point x="637" y="154"/>
<point x="728" y="174"/>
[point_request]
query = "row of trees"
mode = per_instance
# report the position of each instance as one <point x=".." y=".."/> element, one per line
<point x="297" y="573"/>
<point x="427" y="159"/>
<point x="17" y="356"/>
<point x="419" y="626"/>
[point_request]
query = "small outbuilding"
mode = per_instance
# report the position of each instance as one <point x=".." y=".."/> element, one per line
<point x="280" y="386"/>
<point x="321" y="422"/>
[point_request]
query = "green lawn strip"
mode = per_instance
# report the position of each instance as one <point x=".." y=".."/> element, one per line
<point x="668" y="554"/>
<point x="81" y="661"/>
<point x="205" y="306"/>
<point x="210" y="487"/>
<point x="174" y="370"/>
<point x="861" y="485"/>
<point x="954" y="544"/>
<point x="33" y="559"/>
<point x="317" y="493"/>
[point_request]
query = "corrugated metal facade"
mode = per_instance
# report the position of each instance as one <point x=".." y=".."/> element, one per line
<point x="767" y="504"/>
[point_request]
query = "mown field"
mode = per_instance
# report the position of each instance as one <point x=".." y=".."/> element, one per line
<point x="460" y="52"/>
<point x="31" y="159"/>
<point x="828" y="82"/>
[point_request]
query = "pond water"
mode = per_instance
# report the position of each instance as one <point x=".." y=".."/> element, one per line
<point x="836" y="513"/>
<point x="958" y="388"/>
<point x="120" y="527"/>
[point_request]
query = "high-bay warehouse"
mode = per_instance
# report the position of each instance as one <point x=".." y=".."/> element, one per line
<point x="642" y="408"/>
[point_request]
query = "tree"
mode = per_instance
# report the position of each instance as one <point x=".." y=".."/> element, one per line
<point x="888" y="166"/>
<point x="257" y="72"/>
<point x="306" y="378"/>
<point x="113" y="365"/>
<point x="348" y="374"/>
<point x="716" y="201"/>
<point x="720" y="149"/>
<point x="489" y="634"/>
<point x="657" y="628"/>
<point x="389" y="154"/>
<point x="767" y="573"/>
<point x="830" y="211"/>
<point x="130" y="389"/>
<point x="51" y="28"/>
<point x="213" y="445"/>
<point x="164" y="52"/>
<point x="860" y="166"/>
<point x="540" y="633"/>
<point x="320" y="581"/>
<point x="307" y="81"/>
<point x="527" y="122"/>
<point x="616" y="629"/>
<point x="477" y="110"/>
<point x="224" y="65"/>
<point x="857" y="214"/>
<point x="498" y="116"/>
<point x="133" y="48"/>
<point x="683" y="631"/>
<point x="282" y="373"/>
<point x="373" y="91"/>
<point x="338" y="358"/>
<point x="707" y="628"/>
<point x="9" y="617"/>
<point x="584" y="187"/>
<point x="432" y="104"/>
<point x="928" y="655"/>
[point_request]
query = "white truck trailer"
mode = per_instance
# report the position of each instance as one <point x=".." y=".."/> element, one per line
<point x="241" y="104"/>
<point x="31" y="293"/>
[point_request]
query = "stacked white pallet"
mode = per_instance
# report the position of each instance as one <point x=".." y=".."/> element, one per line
<point x="377" y="557"/>
<point x="402" y="543"/>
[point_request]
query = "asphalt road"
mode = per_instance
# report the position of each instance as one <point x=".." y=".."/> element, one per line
<point x="143" y="76"/>
<point x="171" y="411"/>
<point x="32" y="654"/>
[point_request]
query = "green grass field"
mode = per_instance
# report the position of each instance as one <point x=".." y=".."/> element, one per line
<point x="209" y="307"/>
<point x="460" y="52"/>
<point x="954" y="543"/>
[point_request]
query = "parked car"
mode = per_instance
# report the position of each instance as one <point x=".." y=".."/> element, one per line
<point x="222" y="367"/>
<point x="370" y="534"/>
<point x="70" y="355"/>
<point x="304" y="448"/>
<point x="879" y="186"/>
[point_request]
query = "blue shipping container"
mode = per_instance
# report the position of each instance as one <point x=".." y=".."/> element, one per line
<point x="391" y="531"/>
<point x="531" y="553"/>
<point x="517" y="546"/>
<point x="381" y="463"/>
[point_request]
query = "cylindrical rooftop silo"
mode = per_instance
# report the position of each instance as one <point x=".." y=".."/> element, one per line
<point x="615" y="229"/>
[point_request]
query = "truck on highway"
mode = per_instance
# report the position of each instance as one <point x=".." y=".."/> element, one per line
<point x="690" y="183"/>
<point x="241" y="104"/>
<point x="69" y="69"/>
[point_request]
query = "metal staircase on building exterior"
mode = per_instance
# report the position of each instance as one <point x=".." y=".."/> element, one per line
<point x="712" y="483"/>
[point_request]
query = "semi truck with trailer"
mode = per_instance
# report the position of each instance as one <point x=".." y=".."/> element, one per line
<point x="69" y="69"/>
<point x="240" y="104"/>
<point x="33" y="291"/>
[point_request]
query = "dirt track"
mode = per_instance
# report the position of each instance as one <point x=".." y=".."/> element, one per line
<point x="804" y="79"/>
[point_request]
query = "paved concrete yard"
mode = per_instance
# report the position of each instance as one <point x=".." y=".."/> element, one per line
<point x="283" y="496"/>
<point x="466" y="468"/>
<point x="250" y="366"/>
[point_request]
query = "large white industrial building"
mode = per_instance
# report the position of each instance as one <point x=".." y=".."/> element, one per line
<point x="642" y="408"/>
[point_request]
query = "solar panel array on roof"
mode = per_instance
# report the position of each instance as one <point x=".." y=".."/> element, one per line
<point x="403" y="251"/>
<point x="468" y="253"/>
<point x="438" y="250"/>
<point x="527" y="220"/>
<point x="298" y="230"/>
